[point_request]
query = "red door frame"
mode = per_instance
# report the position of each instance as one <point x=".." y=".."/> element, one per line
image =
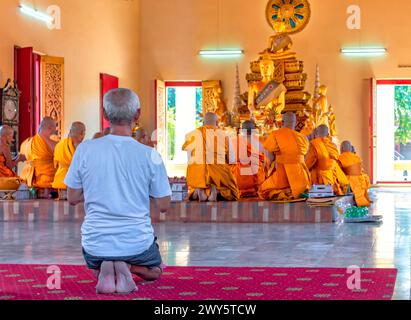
<point x="107" y="83"/>
<point x="372" y="116"/>
<point x="37" y="92"/>
<point x="25" y="78"/>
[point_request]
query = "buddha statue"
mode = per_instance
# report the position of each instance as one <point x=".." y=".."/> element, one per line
<point x="321" y="107"/>
<point x="280" y="44"/>
<point x="276" y="105"/>
<point x="322" y="100"/>
<point x="220" y="108"/>
<point x="332" y="122"/>
<point x="309" y="127"/>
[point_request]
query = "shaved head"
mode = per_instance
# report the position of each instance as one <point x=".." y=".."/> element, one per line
<point x="249" y="126"/>
<point x="48" y="127"/>
<point x="140" y="133"/>
<point x="6" y="134"/>
<point x="47" y="123"/>
<point x="322" y="131"/>
<point x="210" y="119"/>
<point x="290" y="120"/>
<point x="77" y="132"/>
<point x="5" y="130"/>
<point x="346" y="146"/>
<point x="77" y="128"/>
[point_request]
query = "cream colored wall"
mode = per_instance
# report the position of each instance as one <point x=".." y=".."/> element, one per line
<point x="172" y="32"/>
<point x="96" y="36"/>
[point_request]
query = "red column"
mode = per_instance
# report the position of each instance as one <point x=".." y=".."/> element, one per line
<point x="107" y="83"/>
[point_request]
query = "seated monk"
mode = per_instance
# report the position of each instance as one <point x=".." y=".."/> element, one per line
<point x="209" y="175"/>
<point x="7" y="162"/>
<point x="250" y="168"/>
<point x="64" y="152"/>
<point x="322" y="160"/>
<point x="39" y="170"/>
<point x="351" y="164"/>
<point x="142" y="137"/>
<point x="98" y="135"/>
<point x="291" y="177"/>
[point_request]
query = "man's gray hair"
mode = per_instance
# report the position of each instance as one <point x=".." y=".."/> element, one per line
<point x="121" y="105"/>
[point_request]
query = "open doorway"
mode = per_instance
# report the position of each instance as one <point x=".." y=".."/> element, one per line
<point x="392" y="131"/>
<point x="180" y="113"/>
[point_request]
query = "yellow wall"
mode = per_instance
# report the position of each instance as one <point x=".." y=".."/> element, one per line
<point x="172" y="32"/>
<point x="143" y="40"/>
<point x="96" y="36"/>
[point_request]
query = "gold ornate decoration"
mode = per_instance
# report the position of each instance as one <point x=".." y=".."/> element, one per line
<point x="9" y="113"/>
<point x="209" y="91"/>
<point x="294" y="13"/>
<point x="53" y="91"/>
<point x="321" y="113"/>
<point x="161" y="118"/>
<point x="213" y="100"/>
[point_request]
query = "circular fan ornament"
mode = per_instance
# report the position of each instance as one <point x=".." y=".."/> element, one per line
<point x="294" y="14"/>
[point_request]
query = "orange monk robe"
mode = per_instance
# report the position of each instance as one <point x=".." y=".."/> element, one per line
<point x="359" y="181"/>
<point x="322" y="160"/>
<point x="291" y="177"/>
<point x="249" y="170"/>
<point x="202" y="174"/>
<point x="39" y="170"/>
<point x="5" y="172"/>
<point x="63" y="154"/>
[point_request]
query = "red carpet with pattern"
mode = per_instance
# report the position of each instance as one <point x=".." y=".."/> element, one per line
<point x="29" y="282"/>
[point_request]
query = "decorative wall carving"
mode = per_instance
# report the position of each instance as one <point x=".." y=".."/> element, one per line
<point x="52" y="83"/>
<point x="209" y="92"/>
<point x="161" y="118"/>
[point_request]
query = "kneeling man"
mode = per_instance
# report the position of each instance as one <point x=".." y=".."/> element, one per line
<point x="116" y="176"/>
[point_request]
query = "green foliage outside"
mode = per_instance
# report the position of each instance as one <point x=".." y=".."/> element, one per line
<point x="403" y="114"/>
<point x="171" y="118"/>
<point x="199" y="107"/>
<point x="171" y="122"/>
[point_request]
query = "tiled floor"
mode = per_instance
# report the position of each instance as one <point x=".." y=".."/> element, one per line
<point x="308" y="245"/>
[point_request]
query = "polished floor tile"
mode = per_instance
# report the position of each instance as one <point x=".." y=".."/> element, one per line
<point x="386" y="245"/>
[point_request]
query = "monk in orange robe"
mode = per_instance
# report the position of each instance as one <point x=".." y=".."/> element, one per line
<point x="351" y="164"/>
<point x="64" y="152"/>
<point x="322" y="160"/>
<point x="209" y="174"/>
<point x="250" y="169"/>
<point x="291" y="177"/>
<point x="141" y="136"/>
<point x="7" y="162"/>
<point x="98" y="135"/>
<point x="39" y="170"/>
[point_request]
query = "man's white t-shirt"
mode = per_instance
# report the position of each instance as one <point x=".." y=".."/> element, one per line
<point x="118" y="176"/>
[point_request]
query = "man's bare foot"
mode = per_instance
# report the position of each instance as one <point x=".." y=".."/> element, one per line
<point x="148" y="274"/>
<point x="202" y="195"/>
<point x="106" y="279"/>
<point x="124" y="280"/>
